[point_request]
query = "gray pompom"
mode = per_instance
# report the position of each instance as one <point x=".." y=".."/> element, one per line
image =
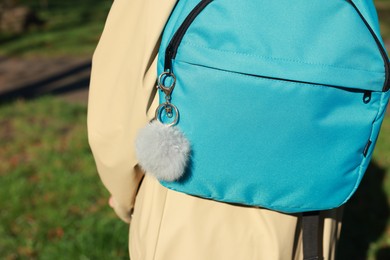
<point x="162" y="151"/>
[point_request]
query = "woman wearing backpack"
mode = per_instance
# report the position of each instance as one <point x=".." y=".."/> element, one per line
<point x="168" y="225"/>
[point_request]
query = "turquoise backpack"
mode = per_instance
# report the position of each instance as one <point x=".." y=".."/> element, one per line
<point x="281" y="101"/>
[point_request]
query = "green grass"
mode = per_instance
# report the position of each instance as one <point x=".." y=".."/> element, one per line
<point x="71" y="27"/>
<point x="53" y="205"/>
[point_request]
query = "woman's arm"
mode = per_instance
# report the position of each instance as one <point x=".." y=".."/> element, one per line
<point x="122" y="92"/>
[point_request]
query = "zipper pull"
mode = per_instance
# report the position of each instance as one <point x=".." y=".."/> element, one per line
<point x="367" y="97"/>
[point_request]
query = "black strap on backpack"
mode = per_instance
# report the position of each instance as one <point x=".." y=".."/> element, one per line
<point x="312" y="236"/>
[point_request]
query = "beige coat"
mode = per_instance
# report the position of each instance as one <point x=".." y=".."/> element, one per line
<point x="168" y="225"/>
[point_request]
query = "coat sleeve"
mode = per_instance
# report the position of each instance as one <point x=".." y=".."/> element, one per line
<point x="122" y="93"/>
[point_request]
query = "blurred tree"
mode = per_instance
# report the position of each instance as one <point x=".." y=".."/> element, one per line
<point x="16" y="18"/>
<point x="44" y="3"/>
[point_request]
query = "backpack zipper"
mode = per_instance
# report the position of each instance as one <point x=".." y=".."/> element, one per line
<point x="173" y="45"/>
<point x="170" y="52"/>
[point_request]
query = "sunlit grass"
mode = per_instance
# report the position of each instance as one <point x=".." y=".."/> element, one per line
<point x="53" y="205"/>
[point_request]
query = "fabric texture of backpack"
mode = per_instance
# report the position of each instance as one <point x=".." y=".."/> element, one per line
<point x="281" y="101"/>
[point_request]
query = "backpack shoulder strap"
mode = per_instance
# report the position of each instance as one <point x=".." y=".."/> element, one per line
<point x="312" y="236"/>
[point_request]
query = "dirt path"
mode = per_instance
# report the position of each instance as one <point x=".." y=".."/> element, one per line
<point x="67" y="77"/>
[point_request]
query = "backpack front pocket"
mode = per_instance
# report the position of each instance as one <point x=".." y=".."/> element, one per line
<point x="288" y="139"/>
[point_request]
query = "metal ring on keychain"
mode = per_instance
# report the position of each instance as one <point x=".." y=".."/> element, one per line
<point x="164" y="105"/>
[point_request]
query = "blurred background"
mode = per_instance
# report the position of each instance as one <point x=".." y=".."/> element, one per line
<point x="52" y="204"/>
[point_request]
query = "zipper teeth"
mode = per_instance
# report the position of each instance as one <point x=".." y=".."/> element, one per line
<point x="178" y="36"/>
<point x="386" y="61"/>
<point x="186" y="24"/>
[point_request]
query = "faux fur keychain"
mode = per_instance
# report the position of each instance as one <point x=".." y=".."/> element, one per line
<point x="162" y="149"/>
